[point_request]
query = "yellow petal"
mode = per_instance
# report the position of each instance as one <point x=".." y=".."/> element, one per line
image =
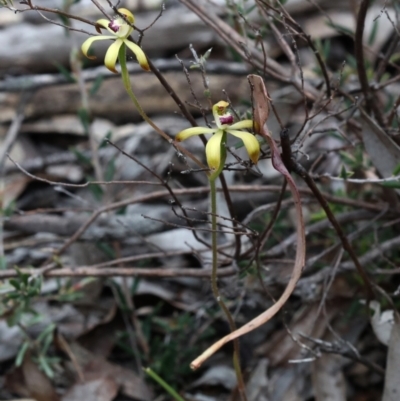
<point x="129" y="16"/>
<point x="244" y="124"/>
<point x="104" y="24"/>
<point x="250" y="142"/>
<point x="112" y="55"/>
<point x="88" y="42"/>
<point x="141" y="57"/>
<point x="187" y="133"/>
<point x="213" y="150"/>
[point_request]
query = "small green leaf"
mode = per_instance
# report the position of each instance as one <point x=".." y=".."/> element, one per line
<point x="84" y="116"/>
<point x="344" y="173"/>
<point x="351" y="61"/>
<point x="374" y="31"/>
<point x="9" y="210"/>
<point x="96" y="190"/>
<point x="105" y="140"/>
<point x="81" y="157"/>
<point x="396" y="170"/>
<point x="110" y="170"/>
<point x="103" y="246"/>
<point x="96" y="85"/>
<point x="15" y="283"/>
<point x="64" y="20"/>
<point x="21" y="353"/>
<point x="48" y="330"/>
<point x="44" y="365"/>
<point x="250" y="9"/>
<point x="326" y="49"/>
<point x="341" y="29"/>
<point x="67" y="74"/>
<point x="207" y="54"/>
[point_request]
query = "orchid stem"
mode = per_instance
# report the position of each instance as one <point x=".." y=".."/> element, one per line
<point x="127" y="84"/>
<point x="214" y="283"/>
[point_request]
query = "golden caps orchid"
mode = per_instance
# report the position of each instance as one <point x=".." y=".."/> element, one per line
<point x="224" y="123"/>
<point x="120" y="31"/>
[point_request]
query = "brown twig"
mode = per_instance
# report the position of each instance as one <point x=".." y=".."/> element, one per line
<point x="307" y="38"/>
<point x="371" y="103"/>
<point x="56" y="11"/>
<point x="302" y="172"/>
<point x="88" y="271"/>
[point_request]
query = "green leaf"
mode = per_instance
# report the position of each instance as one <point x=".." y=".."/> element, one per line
<point x="48" y="330"/>
<point x="374" y="31"/>
<point x="207" y="94"/>
<point x="64" y="20"/>
<point x="135" y="285"/>
<point x="251" y="8"/>
<point x="110" y="170"/>
<point x="326" y="48"/>
<point x="81" y="157"/>
<point x="21" y="353"/>
<point x="67" y="74"/>
<point x="84" y="116"/>
<point x="121" y="211"/>
<point x="44" y="365"/>
<point x="207" y="54"/>
<point x="96" y="190"/>
<point x="103" y="246"/>
<point x="351" y="61"/>
<point x="96" y="85"/>
<point x="340" y="28"/>
<point x="9" y="210"/>
<point x="104" y="142"/>
<point x="344" y="173"/>
<point x="396" y="170"/>
<point x="15" y="283"/>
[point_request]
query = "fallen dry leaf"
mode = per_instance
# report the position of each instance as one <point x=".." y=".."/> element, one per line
<point x="101" y="389"/>
<point x="29" y="381"/>
<point x="96" y="366"/>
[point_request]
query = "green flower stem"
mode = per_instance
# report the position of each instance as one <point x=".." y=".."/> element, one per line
<point x="214" y="282"/>
<point x="127" y="84"/>
<point x="163" y="384"/>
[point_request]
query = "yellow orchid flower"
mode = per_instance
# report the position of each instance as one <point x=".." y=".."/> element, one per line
<point x="223" y="121"/>
<point x="120" y="31"/>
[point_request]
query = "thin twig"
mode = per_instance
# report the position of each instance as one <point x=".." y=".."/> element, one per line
<point x="121" y="272"/>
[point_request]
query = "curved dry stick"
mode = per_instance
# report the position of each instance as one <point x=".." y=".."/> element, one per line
<point x="261" y="112"/>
